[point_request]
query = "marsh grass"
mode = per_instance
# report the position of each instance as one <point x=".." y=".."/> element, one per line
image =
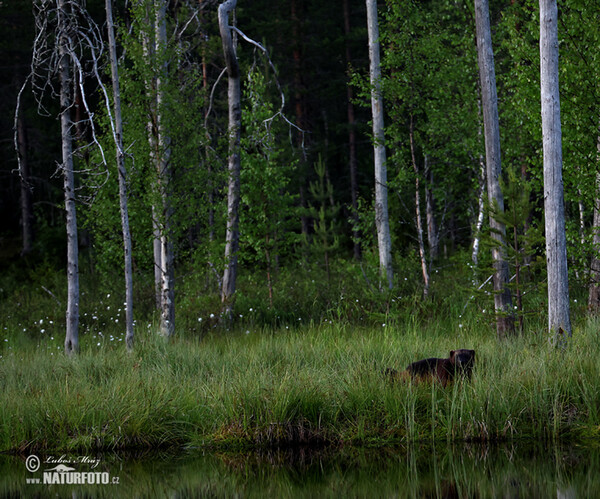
<point x="314" y="384"/>
<point x="306" y="370"/>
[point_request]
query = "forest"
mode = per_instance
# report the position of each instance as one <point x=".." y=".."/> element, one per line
<point x="252" y="209"/>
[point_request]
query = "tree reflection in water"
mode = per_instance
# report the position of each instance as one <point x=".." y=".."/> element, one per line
<point x="463" y="470"/>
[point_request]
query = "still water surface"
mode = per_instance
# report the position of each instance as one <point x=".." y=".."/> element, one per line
<point x="515" y="470"/>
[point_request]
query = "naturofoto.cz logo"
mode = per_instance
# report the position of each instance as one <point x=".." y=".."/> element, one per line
<point x="63" y="471"/>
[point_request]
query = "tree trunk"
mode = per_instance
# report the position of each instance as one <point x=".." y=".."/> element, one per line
<point x="66" y="102"/>
<point x="149" y="51"/>
<point x="594" y="287"/>
<point x="352" y="160"/>
<point x="559" y="322"/>
<point x="26" y="198"/>
<point x="480" y="206"/>
<point x="157" y="256"/>
<point x="122" y="174"/>
<point x="167" y="289"/>
<point x="233" y="193"/>
<point x="487" y="76"/>
<point x="384" y="242"/>
<point x="419" y="223"/>
<point x="432" y="230"/>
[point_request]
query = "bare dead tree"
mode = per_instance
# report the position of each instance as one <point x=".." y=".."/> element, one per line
<point x="228" y="286"/>
<point x="233" y="193"/>
<point x="559" y="320"/>
<point x="489" y="99"/>
<point x="66" y="50"/>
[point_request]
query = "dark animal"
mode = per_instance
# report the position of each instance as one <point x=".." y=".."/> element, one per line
<point x="460" y="363"/>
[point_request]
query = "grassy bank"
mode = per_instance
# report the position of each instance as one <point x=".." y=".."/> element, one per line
<point x="315" y="383"/>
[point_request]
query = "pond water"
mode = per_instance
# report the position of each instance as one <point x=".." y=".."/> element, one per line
<point x="514" y="470"/>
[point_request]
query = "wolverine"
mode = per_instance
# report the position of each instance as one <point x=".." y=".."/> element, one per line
<point x="460" y="363"/>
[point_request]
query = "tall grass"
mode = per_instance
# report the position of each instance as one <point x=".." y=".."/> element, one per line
<point x="307" y="369"/>
<point x="315" y="384"/>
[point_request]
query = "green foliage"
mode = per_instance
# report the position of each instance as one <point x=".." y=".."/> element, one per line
<point x="268" y="206"/>
<point x="181" y="109"/>
<point x="324" y="212"/>
<point x="430" y="86"/>
<point x="524" y="240"/>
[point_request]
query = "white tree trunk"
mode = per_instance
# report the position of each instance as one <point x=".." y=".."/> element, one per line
<point x="122" y="174"/>
<point x="233" y="193"/>
<point x="167" y="274"/>
<point x="487" y="76"/>
<point x="480" y="199"/>
<point x="480" y="212"/>
<point x="66" y="102"/>
<point x="384" y="241"/>
<point x="149" y="51"/>
<point x="559" y="322"/>
<point x="419" y="223"/>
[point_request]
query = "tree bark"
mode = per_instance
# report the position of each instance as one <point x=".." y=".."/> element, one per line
<point x="480" y="206"/>
<point x="167" y="289"/>
<point x="594" y="286"/>
<point x="66" y="102"/>
<point x="559" y="322"/>
<point x="122" y="174"/>
<point x="384" y="242"/>
<point x="352" y="160"/>
<point x="26" y="198"/>
<point x="149" y="51"/>
<point x="432" y="229"/>
<point x="487" y="76"/>
<point x="233" y="193"/>
<point x="419" y="223"/>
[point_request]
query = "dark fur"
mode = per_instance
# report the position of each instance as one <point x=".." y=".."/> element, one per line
<point x="460" y="363"/>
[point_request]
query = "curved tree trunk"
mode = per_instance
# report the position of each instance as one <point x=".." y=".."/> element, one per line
<point x="384" y="241"/>
<point x="233" y="193"/>
<point x="487" y="75"/>
<point x="559" y="322"/>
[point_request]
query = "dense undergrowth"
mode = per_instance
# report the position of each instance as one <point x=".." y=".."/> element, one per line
<point x="308" y="369"/>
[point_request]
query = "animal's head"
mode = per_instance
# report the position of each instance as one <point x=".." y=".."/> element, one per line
<point x="463" y="359"/>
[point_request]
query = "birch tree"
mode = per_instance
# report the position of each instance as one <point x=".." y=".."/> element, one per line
<point x="167" y="274"/>
<point x="152" y="20"/>
<point x="117" y="125"/>
<point x="418" y="219"/>
<point x="384" y="242"/>
<point x="489" y="98"/>
<point x="233" y="190"/>
<point x="559" y="322"/>
<point x="481" y="178"/>
<point x="67" y="47"/>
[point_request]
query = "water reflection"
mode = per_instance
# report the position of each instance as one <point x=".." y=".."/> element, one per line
<point x="422" y="471"/>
